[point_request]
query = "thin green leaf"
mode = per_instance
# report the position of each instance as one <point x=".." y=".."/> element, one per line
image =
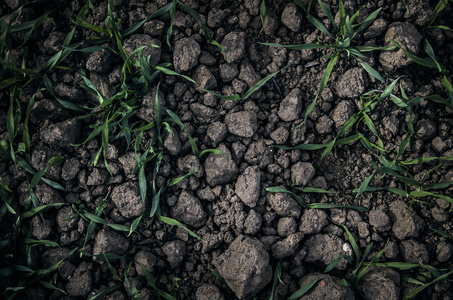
<point x="319" y="25"/>
<point x="34" y="211"/>
<point x="135" y="224"/>
<point x="107" y="291"/>
<point x="215" y="151"/>
<point x="426" y="62"/>
<point x="277" y="271"/>
<point x="421" y="288"/>
<point x="297" y="47"/>
<point x="331" y="205"/>
<point x="174" y="222"/>
<point x="47" y="243"/>
<point x="304" y="289"/>
<point x="372" y="71"/>
<point x="143" y="184"/>
<point x="368" y="21"/>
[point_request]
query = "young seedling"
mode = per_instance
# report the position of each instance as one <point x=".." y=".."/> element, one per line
<point x="304" y="204"/>
<point x="344" y="35"/>
<point x="252" y="90"/>
<point x="358" y="263"/>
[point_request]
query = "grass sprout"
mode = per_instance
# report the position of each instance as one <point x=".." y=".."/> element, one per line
<point x="343" y="35"/>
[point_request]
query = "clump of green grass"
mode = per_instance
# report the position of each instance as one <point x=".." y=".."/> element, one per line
<point x="343" y="34"/>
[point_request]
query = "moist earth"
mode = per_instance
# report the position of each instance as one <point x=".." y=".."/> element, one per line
<point x="246" y="231"/>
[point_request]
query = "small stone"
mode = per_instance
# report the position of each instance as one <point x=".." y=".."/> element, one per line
<point x="172" y="143"/>
<point x="217" y="132"/>
<point x="324" y="125"/>
<point x="271" y="23"/>
<point x="380" y="283"/>
<point x="234" y="44"/>
<point x="280" y="135"/>
<point x="244" y="123"/>
<point x="220" y="168"/>
<point x="363" y="229"/>
<point x="100" y="61"/>
<point x="284" y="205"/>
<point x="128" y="200"/>
<point x="146" y="111"/>
<point x="440" y="215"/>
<point x="228" y="72"/>
<point x="408" y="37"/>
<point x="62" y="134"/>
<point x="244" y="266"/>
<point x="189" y="210"/>
<point x="313" y="221"/>
<point x="426" y="129"/>
<point x="377" y="28"/>
<point x="108" y="241"/>
<point x="248" y="74"/>
<point x="203" y="113"/>
<point x="248" y="186"/>
<point x="252" y="223"/>
<point x="253" y="6"/>
<point x="215" y="17"/>
<point x="190" y="163"/>
<point x="146" y="259"/>
<point x="185" y="54"/>
<point x="322" y="249"/>
<point x="414" y="252"/>
<point x="379" y="220"/>
<point x="291" y="17"/>
<point x="204" y="78"/>
<point x="97" y="177"/>
<point x="80" y="283"/>
<point x="175" y="251"/>
<point x="287" y="246"/>
<point x="65" y="219"/>
<point x="291" y="106"/>
<point x="208" y="291"/>
<point x="286" y="226"/>
<point x="342" y="112"/>
<point x="444" y="252"/>
<point x="302" y="173"/>
<point x="352" y="83"/>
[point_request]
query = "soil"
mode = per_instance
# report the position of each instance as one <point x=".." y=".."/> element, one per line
<point x="245" y="230"/>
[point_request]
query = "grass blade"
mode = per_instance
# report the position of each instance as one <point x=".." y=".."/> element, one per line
<point x="372" y="71"/>
<point x="421" y="288"/>
<point x="304" y="289"/>
<point x="322" y="85"/>
<point x="297" y="47"/>
<point x="142" y="183"/>
<point x="426" y="62"/>
<point x="319" y="25"/>
<point x="173" y="222"/>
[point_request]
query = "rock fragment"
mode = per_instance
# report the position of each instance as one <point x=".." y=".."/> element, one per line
<point x="185" y="55"/>
<point x="284" y="205"/>
<point x="61" y="134"/>
<point x="380" y="283"/>
<point x="291" y="106"/>
<point x="243" y="123"/>
<point x="248" y="186"/>
<point x="128" y="200"/>
<point x="352" y="83"/>
<point x="234" y="44"/>
<point x="220" y="168"/>
<point x="328" y="288"/>
<point x="108" y="241"/>
<point x="291" y="17"/>
<point x="245" y="267"/>
<point x="189" y="210"/>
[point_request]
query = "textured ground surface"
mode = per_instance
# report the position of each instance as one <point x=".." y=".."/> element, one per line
<point x="245" y="230"/>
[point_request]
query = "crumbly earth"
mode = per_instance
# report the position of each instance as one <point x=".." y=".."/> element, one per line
<point x="245" y="230"/>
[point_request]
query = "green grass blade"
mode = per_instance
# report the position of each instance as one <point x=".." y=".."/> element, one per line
<point x="63" y="103"/>
<point x="137" y="26"/>
<point x="262" y="14"/>
<point x="372" y="71"/>
<point x="429" y="50"/>
<point x="262" y="82"/>
<point x="177" y="180"/>
<point x="170" y="72"/>
<point x="426" y="62"/>
<point x="328" y="13"/>
<point x="314" y="190"/>
<point x="442" y="233"/>
<point x="322" y="85"/>
<point x="215" y="151"/>
<point x="373" y="48"/>
<point x="135" y="224"/>
<point x="446" y="82"/>
<point x="417" y="290"/>
<point x="301" y="147"/>
<point x="196" y="16"/>
<point x="47" y="243"/>
<point x="280" y="189"/>
<point x="330" y="205"/>
<point x="319" y="25"/>
<point x="297" y="47"/>
<point x="142" y="183"/>
<point x="235" y="97"/>
<point x="277" y="273"/>
<point x="424" y="159"/>
<point x="335" y="262"/>
<point x="174" y="222"/>
<point x="107" y="291"/>
<point x="303" y="290"/>
<point x="440" y="6"/>
<point x="34" y="211"/>
<point x="368" y="21"/>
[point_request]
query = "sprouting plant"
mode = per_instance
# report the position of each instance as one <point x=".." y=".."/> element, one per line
<point x="307" y="205"/>
<point x="423" y="275"/>
<point x="251" y="90"/>
<point x="344" y="36"/>
<point x="304" y="289"/>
